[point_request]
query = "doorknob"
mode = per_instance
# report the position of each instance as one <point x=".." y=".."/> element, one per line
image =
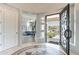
<point x="16" y="32"/>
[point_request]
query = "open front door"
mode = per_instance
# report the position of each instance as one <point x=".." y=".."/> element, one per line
<point x="65" y="33"/>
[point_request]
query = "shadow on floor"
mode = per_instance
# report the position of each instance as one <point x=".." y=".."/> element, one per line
<point x="53" y="42"/>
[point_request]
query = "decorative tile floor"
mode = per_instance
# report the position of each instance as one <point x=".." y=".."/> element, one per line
<point x="42" y="49"/>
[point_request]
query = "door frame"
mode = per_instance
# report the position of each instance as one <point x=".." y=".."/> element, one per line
<point x="68" y="43"/>
<point x="46" y="25"/>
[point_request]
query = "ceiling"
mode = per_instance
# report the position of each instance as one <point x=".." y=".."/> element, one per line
<point x="39" y="7"/>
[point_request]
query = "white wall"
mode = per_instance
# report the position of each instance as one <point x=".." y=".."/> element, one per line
<point x="39" y="36"/>
<point x="72" y="16"/>
<point x="75" y="48"/>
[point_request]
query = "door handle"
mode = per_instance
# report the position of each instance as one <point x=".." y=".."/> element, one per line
<point x="16" y="32"/>
<point x="68" y="33"/>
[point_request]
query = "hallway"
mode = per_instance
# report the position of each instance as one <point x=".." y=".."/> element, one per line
<point x="25" y="23"/>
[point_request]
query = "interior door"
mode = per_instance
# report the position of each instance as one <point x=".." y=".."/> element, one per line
<point x="1" y="30"/>
<point x="11" y="27"/>
<point x="65" y="33"/>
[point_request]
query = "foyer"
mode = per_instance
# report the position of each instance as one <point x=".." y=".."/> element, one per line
<point x="39" y="29"/>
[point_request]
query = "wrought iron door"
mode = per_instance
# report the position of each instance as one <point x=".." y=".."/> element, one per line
<point x="65" y="32"/>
